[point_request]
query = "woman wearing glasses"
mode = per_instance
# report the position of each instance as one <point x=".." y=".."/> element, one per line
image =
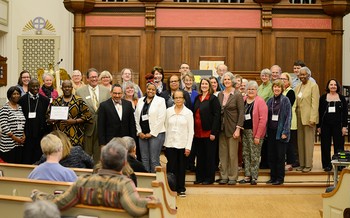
<point x="255" y="118"/>
<point x="178" y="140"/>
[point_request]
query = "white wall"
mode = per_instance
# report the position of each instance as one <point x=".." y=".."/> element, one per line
<point x="346" y="50"/>
<point x="22" y="11"/>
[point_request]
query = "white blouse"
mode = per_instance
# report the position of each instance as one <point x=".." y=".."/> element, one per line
<point x="179" y="128"/>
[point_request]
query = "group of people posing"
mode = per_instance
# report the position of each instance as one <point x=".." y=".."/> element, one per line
<point x="223" y="121"/>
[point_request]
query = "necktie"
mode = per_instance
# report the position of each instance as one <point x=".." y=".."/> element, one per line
<point x="94" y="99"/>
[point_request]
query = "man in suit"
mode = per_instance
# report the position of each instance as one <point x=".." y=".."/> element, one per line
<point x="115" y="117"/>
<point x="93" y="95"/>
<point x="34" y="107"/>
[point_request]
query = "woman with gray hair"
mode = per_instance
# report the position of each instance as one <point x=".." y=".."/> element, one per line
<point x="265" y="89"/>
<point x="47" y="88"/>
<point x="105" y="78"/>
<point x="77" y="80"/>
<point x="130" y="93"/>
<point x="41" y="209"/>
<point x="255" y="119"/>
<point x="307" y="103"/>
<point x="136" y="165"/>
<point x="232" y="120"/>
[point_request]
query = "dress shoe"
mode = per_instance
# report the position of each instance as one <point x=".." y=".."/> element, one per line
<point x="301" y="168"/>
<point x="253" y="182"/>
<point x="270" y="181"/>
<point x="277" y="183"/>
<point x="295" y="165"/>
<point x="207" y="183"/>
<point x="306" y="169"/>
<point x="244" y="181"/>
<point x="232" y="182"/>
<point x="223" y="181"/>
<point x="327" y="169"/>
<point x="197" y="182"/>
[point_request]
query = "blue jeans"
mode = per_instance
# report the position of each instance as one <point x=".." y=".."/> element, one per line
<point x="150" y="151"/>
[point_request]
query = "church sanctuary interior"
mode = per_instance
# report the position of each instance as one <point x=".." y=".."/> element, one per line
<point x="246" y="35"/>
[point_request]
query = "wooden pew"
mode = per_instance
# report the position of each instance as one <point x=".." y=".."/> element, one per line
<point x="23" y="187"/>
<point x="335" y="202"/>
<point x="13" y="206"/>
<point x="144" y="180"/>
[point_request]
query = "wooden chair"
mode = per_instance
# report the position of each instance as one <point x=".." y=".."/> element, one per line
<point x="335" y="202"/>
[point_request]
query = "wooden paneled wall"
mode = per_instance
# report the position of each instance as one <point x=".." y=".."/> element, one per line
<point x="141" y="45"/>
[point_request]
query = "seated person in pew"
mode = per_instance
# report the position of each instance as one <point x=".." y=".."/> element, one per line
<point x="41" y="209"/>
<point x="135" y="164"/>
<point x="52" y="147"/>
<point x="127" y="169"/>
<point x="72" y="156"/>
<point x="108" y="187"/>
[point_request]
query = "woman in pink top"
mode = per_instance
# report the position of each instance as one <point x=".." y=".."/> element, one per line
<point x="47" y="89"/>
<point x="255" y="118"/>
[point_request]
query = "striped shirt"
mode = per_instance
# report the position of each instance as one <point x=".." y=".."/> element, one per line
<point x="11" y="121"/>
<point x="106" y="188"/>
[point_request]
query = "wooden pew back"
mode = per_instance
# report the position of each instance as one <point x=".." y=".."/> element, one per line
<point x="13" y="206"/>
<point x="144" y="180"/>
<point x="23" y="187"/>
<point x="335" y="202"/>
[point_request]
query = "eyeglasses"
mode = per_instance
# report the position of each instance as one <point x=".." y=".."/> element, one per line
<point x="174" y="81"/>
<point x="283" y="79"/>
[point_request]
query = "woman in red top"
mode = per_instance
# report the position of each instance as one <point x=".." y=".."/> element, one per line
<point x="207" y="126"/>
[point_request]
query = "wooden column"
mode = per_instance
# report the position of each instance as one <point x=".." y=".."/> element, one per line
<point x="150" y="29"/>
<point x="79" y="8"/>
<point x="337" y="9"/>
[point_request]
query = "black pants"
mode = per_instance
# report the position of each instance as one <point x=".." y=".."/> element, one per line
<point x="276" y="156"/>
<point x="206" y="154"/>
<point x="264" y="162"/>
<point x="177" y="165"/>
<point x="329" y="131"/>
<point x="12" y="156"/>
<point x="191" y="160"/>
<point x="31" y="150"/>
<point x="290" y="153"/>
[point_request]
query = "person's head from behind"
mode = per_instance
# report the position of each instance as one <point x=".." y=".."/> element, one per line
<point x="51" y="144"/>
<point x="130" y="145"/>
<point x="67" y="146"/>
<point x="113" y="155"/>
<point x="41" y="209"/>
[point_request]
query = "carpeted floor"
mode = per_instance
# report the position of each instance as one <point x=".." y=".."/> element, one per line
<point x="249" y="206"/>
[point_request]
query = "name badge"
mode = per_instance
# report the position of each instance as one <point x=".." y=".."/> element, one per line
<point x="331" y="109"/>
<point x="300" y="95"/>
<point x="274" y="117"/>
<point x="247" y="117"/>
<point x="88" y="97"/>
<point x="32" y="115"/>
<point x="144" y="117"/>
<point x="19" y="126"/>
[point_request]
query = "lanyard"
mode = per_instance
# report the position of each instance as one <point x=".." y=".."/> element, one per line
<point x="36" y="106"/>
